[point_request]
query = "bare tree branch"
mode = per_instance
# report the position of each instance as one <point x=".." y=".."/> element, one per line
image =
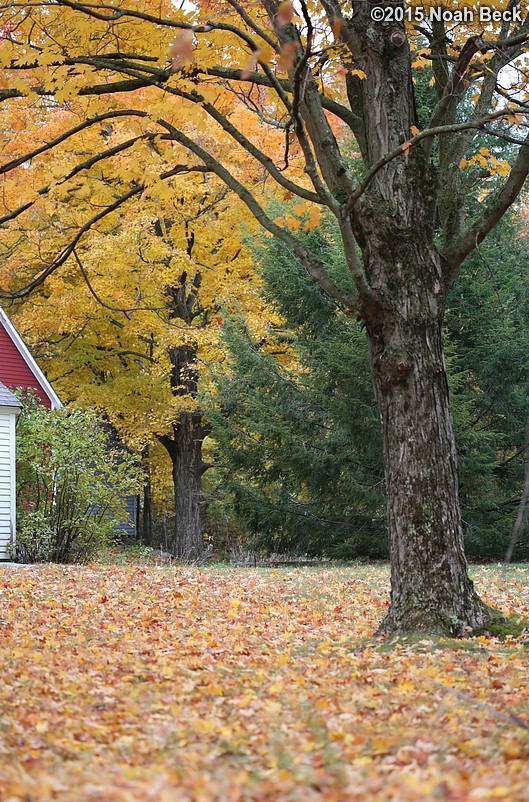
<point x="85" y="165"/>
<point x="227" y="73"/>
<point x="97" y="89"/>
<point x="50" y="144"/>
<point x="472" y="46"/>
<point x="426" y="133"/>
<point x="253" y="25"/>
<point x="510" y="718"/>
<point x="315" y="268"/>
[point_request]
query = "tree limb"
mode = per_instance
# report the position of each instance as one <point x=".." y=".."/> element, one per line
<point x="472" y="46"/>
<point x="495" y="208"/>
<point x="246" y="143"/>
<point x="314" y="267"/>
<point x="511" y="718"/>
<point x="427" y="132"/>
<point x="253" y="25"/>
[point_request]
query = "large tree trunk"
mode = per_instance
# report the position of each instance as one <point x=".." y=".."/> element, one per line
<point x="185" y="452"/>
<point x="188" y="468"/>
<point x="431" y="590"/>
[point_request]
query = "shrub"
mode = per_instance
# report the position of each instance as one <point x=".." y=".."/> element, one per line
<point x="71" y="486"/>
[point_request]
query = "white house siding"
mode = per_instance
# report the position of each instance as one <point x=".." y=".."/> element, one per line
<point x="7" y="479"/>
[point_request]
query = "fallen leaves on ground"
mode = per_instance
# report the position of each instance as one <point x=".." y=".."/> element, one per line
<point x="200" y="684"/>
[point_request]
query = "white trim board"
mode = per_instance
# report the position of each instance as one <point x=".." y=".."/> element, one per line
<point x="8" y="495"/>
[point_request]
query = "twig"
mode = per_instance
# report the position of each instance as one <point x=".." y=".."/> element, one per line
<point x="511" y="718"/>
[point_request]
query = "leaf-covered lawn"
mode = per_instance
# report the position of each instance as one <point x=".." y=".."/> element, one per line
<point x="163" y="684"/>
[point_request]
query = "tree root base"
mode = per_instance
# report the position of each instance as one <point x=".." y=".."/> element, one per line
<point x="482" y="620"/>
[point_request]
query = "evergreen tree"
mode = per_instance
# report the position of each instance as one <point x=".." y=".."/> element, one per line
<point x="305" y="474"/>
<point x="487" y="326"/>
<point x="304" y="466"/>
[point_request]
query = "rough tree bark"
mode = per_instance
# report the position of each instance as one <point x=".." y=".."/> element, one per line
<point x="430" y="588"/>
<point x="403" y="310"/>
<point x="188" y="468"/>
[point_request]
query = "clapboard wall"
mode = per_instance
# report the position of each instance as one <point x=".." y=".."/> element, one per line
<point x="7" y="479"/>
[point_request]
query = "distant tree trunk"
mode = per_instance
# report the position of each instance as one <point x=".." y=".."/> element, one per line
<point x="147" y="506"/>
<point x="185" y="450"/>
<point x="522" y="507"/>
<point x="188" y="468"/>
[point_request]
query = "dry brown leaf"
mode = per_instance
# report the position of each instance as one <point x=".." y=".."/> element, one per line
<point x="406" y="150"/>
<point x="287" y="55"/>
<point x="145" y="684"/>
<point x="285" y="14"/>
<point x="251" y="66"/>
<point x="336" y="27"/>
<point x="181" y="50"/>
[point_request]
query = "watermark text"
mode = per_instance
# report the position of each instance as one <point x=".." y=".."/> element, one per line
<point x="418" y="14"/>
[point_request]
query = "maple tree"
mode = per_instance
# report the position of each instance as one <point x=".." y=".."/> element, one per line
<point x="129" y="343"/>
<point x="404" y="223"/>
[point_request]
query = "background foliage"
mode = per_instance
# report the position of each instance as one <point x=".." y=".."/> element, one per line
<point x="296" y="426"/>
<point x="71" y="485"/>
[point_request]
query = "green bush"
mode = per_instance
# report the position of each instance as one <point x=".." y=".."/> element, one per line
<point x="71" y="486"/>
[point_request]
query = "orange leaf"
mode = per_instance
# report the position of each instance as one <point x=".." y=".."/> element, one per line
<point x="181" y="50"/>
<point x="406" y="150"/>
<point x="251" y="66"/>
<point x="292" y="223"/>
<point x="414" y="130"/>
<point x="313" y="220"/>
<point x="286" y="56"/>
<point x="285" y="12"/>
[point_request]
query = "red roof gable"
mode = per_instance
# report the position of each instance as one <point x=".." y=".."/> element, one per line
<point x="18" y="368"/>
<point x="14" y="372"/>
